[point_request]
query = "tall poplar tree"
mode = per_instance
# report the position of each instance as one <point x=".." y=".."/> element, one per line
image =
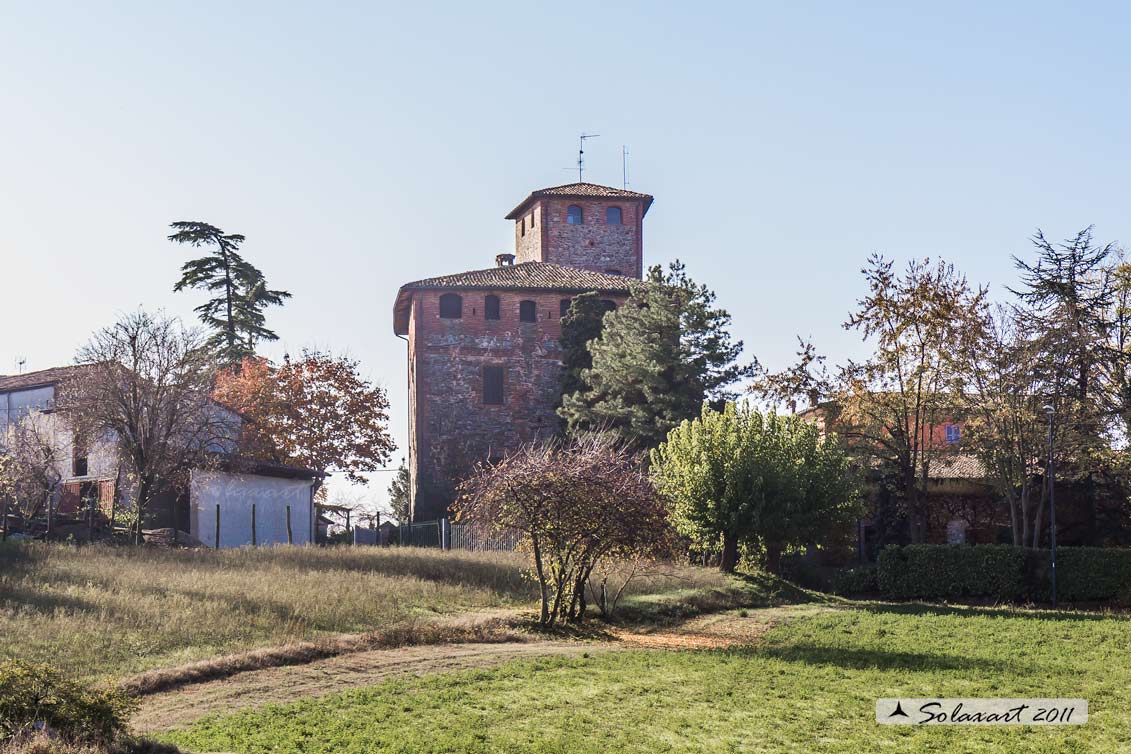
<point x="235" y="315"/>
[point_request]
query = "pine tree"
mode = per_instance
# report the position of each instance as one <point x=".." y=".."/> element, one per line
<point x="658" y="358"/>
<point x="235" y="315"/>
<point x="581" y="324"/>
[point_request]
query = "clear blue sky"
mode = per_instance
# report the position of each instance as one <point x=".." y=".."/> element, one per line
<point x="359" y="147"/>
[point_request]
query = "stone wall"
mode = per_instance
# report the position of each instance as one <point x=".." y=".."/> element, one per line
<point x="592" y="245"/>
<point x="451" y="427"/>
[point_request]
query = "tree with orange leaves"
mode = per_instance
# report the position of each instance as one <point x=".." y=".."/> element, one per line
<point x="316" y="411"/>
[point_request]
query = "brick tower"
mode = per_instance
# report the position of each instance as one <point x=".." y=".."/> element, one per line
<point x="583" y="225"/>
<point x="484" y="361"/>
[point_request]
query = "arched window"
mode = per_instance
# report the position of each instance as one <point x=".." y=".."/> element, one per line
<point x="613" y="216"/>
<point x="563" y="306"/>
<point x="573" y="215"/>
<point x="451" y="306"/>
<point x="527" y="311"/>
<point x="609" y="306"/>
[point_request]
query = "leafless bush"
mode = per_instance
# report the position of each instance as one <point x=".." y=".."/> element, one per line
<point x="579" y="506"/>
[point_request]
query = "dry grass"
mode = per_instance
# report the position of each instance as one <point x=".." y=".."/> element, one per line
<point x="98" y="611"/>
<point x="487" y="630"/>
<point x="119" y="612"/>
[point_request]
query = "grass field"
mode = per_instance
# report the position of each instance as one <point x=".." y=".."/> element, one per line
<point x="810" y="685"/>
<point x="100" y="612"/>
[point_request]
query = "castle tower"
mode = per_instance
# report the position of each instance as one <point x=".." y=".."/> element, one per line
<point x="484" y="353"/>
<point x="596" y="228"/>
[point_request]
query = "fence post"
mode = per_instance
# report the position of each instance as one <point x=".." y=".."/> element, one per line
<point x="253" y="524"/>
<point x="217" y="526"/>
<point x="289" y="538"/>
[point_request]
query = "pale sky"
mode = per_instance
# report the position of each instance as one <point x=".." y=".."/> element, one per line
<point x="361" y="146"/>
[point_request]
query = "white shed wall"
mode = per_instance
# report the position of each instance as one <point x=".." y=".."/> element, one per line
<point x="235" y="494"/>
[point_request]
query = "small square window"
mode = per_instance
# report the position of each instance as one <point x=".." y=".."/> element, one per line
<point x="953" y="433"/>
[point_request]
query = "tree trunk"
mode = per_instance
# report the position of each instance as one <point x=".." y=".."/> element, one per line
<point x="773" y="557"/>
<point x="730" y="552"/>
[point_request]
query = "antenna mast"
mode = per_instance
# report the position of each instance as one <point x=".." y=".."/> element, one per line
<point x="581" y="154"/>
<point x="624" y="165"/>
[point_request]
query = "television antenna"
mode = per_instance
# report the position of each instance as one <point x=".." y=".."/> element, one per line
<point x="624" y="166"/>
<point x="21" y="362"/>
<point x="581" y="154"/>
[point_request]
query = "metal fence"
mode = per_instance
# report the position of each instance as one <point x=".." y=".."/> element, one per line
<point x="449" y="536"/>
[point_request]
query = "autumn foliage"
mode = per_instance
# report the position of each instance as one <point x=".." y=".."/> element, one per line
<point x="316" y="412"/>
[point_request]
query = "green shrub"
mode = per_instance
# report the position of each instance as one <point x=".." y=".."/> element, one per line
<point x="1004" y="572"/>
<point x="1083" y="574"/>
<point x="948" y="571"/>
<point x="35" y="697"/>
<point x="856" y="580"/>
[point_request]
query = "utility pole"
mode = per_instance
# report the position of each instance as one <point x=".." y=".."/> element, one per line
<point x="1052" y="507"/>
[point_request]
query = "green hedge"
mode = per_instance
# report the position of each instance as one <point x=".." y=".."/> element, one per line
<point x="1083" y="574"/>
<point x="1005" y="573"/>
<point x="941" y="571"/>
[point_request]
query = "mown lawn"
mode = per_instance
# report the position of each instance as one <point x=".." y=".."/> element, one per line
<point x="810" y="686"/>
<point x="110" y="612"/>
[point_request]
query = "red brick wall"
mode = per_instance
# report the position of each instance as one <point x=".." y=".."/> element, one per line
<point x="593" y="245"/>
<point x="450" y="427"/>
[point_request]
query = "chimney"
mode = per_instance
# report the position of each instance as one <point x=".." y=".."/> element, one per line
<point x="504" y="260"/>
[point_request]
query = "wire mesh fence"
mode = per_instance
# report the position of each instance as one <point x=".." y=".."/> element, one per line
<point x="451" y="536"/>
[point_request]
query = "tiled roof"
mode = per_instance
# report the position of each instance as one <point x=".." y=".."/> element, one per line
<point x="962" y="466"/>
<point x="37" y="379"/>
<point x="581" y="191"/>
<point x="526" y="276"/>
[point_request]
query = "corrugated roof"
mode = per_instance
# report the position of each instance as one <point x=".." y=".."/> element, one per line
<point x="42" y="377"/>
<point x="582" y="191"/>
<point x="527" y="276"/>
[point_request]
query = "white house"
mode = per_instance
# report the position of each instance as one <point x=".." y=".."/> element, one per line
<point x="91" y="486"/>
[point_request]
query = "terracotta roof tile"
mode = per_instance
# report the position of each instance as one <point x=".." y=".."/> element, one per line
<point x="961" y="466"/>
<point x="36" y="379"/>
<point x="526" y="276"/>
<point x="581" y="191"/>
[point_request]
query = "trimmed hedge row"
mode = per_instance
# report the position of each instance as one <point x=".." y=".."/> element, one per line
<point x="1004" y="573"/>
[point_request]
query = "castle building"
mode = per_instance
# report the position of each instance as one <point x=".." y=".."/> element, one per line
<point x="484" y="360"/>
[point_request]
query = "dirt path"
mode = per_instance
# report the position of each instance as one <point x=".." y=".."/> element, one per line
<point x="179" y="707"/>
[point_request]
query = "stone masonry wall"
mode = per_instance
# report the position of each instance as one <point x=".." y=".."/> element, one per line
<point x="593" y="245"/>
<point x="452" y="428"/>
